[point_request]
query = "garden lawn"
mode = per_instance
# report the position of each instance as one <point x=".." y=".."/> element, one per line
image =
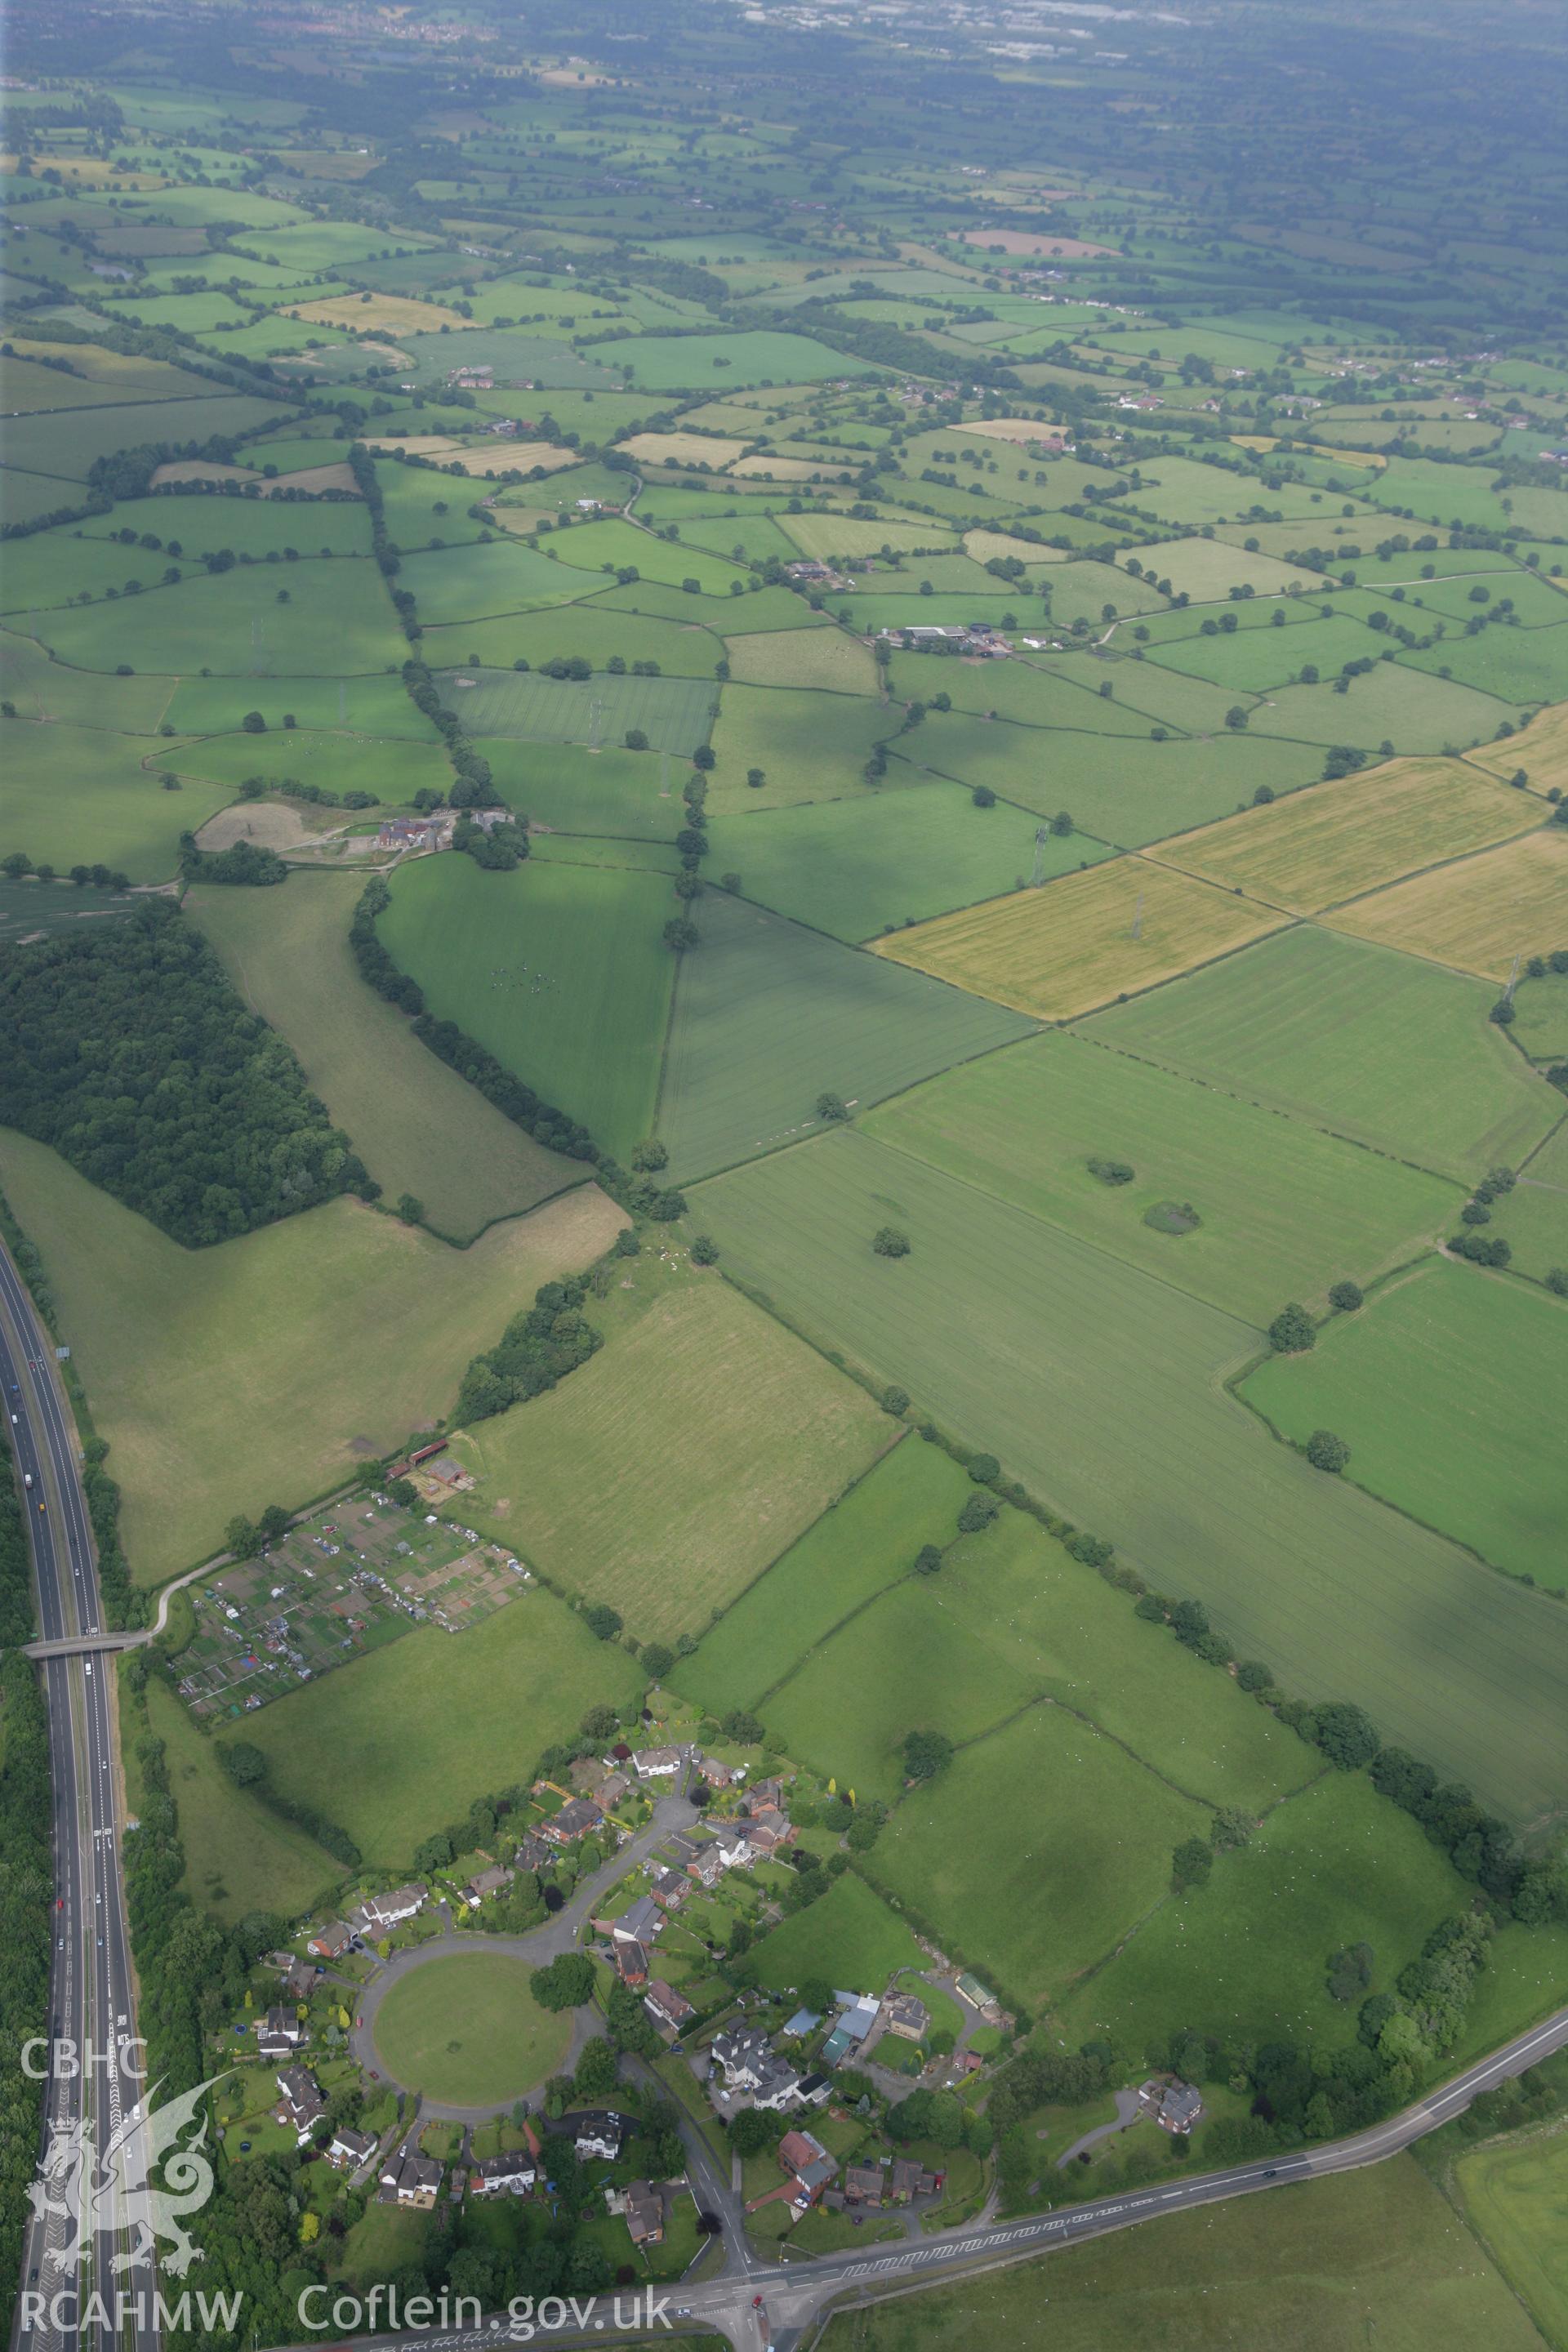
<point x="1393" y="1053"/>
<point x="260" y="1369"/>
<point x="769" y="1015"/>
<point x="418" y="1126"/>
<point x="1121" y="927"/>
<point x="863" y="1543"/>
<point x="1246" y="1956"/>
<point x="1479" y="914"/>
<point x="559" y="971"/>
<point x="809" y="746"/>
<point x="1285" y="1208"/>
<point x="1342" y="839"/>
<point x="1449" y="1387"/>
<point x="855" y="867"/>
<point x="850" y="1937"/>
<point x="465" y="2031"/>
<point x="77" y="796"/>
<point x="1034" y="1853"/>
<point x="400" y="1741"/>
<point x="668" y="1472"/>
<point x="1018" y="1339"/>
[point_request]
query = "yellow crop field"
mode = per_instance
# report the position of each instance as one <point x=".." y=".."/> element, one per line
<point x="396" y="314"/>
<point x="1084" y="941"/>
<point x="985" y="544"/>
<point x="711" y="451"/>
<point x="1022" y="429"/>
<point x="1478" y="914"/>
<point x="1541" y="749"/>
<point x="1338" y="841"/>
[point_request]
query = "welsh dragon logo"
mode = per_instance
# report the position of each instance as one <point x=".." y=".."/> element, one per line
<point x="116" y="2192"/>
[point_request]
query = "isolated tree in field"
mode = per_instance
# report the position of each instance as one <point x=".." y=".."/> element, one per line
<point x="888" y="1242"/>
<point x="566" y="1983"/>
<point x="1327" y="1452"/>
<point x="926" y="1753"/>
<point x="650" y="1155"/>
<point x="1230" y="1828"/>
<point x="977" y="1513"/>
<point x="680" y="934"/>
<point x="984" y="1469"/>
<point x="743" y="1728"/>
<point x="637" y="741"/>
<point x="1345" y="1297"/>
<point x="657" y="1661"/>
<point x="1191" y="1864"/>
<point x="253" y="723"/>
<point x="704" y="1250"/>
<point x="1346" y="1734"/>
<point x="1292" y="1331"/>
<point x="756" y="778"/>
<point x="831" y="1107"/>
<point x="928" y="1560"/>
<point x="1252" y="1674"/>
<point x="982" y="796"/>
<point x="410" y="1208"/>
<point x="245" y="1765"/>
<point x="602" y="1622"/>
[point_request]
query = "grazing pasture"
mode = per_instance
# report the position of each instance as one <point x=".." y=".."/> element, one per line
<point x="1245" y="1957"/>
<point x="1013" y="1335"/>
<point x="1343" y="839"/>
<point x="78" y="795"/>
<point x="370" y="707"/>
<point x="417" y="1126"/>
<point x="569" y="790"/>
<point x="400" y="1741"/>
<point x="1061" y="951"/>
<point x="809" y="747"/>
<point x="1479" y="914"/>
<point x="339" y="619"/>
<point x="864" y="1542"/>
<point x="1448" y="1387"/>
<point x="1393" y="1053"/>
<point x="826" y="659"/>
<point x="559" y="970"/>
<point x="470" y="584"/>
<point x="1284" y="1209"/>
<point x="1389" y="703"/>
<point x="670" y="1470"/>
<point x="260" y="1369"/>
<point x="858" y="866"/>
<point x="1513" y="2194"/>
<point x="769" y="1015"/>
<point x="674" y="713"/>
<point x="850" y="1936"/>
<point x="1088" y="1849"/>
<point x="724" y="362"/>
<point x="392" y="769"/>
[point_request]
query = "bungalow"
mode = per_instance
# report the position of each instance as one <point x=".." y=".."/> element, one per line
<point x="863" y="2184"/>
<point x="302" y="2105"/>
<point x="666" y="2006"/>
<point x="332" y="1943"/>
<point x="350" y="2149"/>
<point x="911" y="2179"/>
<point x="644" y="2209"/>
<point x="902" y="2014"/>
<point x="379" y="1913"/>
<point x="504" y="2176"/>
<point x="411" y="2180"/>
<point x="594" y="2131"/>
<point x="658" y="1763"/>
<point x="486" y="1881"/>
<point x="577" y="1819"/>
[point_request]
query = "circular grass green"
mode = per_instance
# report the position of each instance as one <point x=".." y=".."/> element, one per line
<point x="466" y="2031"/>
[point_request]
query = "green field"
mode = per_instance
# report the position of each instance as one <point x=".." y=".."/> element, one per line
<point x="1046" y="1821"/>
<point x="1514" y="2195"/>
<point x="401" y="1741"/>
<point x="1412" y="710"/>
<point x="418" y="1126"/>
<point x="1393" y="1053"/>
<point x="76" y="795"/>
<point x="855" y="867"/>
<point x="1371" y="2258"/>
<point x="850" y="1937"/>
<point x="466" y="584"/>
<point x="595" y="631"/>
<point x="561" y="971"/>
<point x="864" y="1543"/>
<point x="1009" y="1619"/>
<point x="1246" y="1956"/>
<point x="809" y="747"/>
<point x="768" y="1015"/>
<point x="725" y="362"/>
<point x="367" y="707"/>
<point x="1448" y="1387"/>
<point x="1014" y="1335"/>
<point x="339" y="619"/>
<point x="672" y="1469"/>
<point x="1540" y="1018"/>
<point x="391" y="767"/>
<point x="625" y="797"/>
<point x="1286" y="1209"/>
<point x="672" y="712"/>
<point x="465" y="2030"/>
<point x="259" y="1370"/>
<point x="239" y="1855"/>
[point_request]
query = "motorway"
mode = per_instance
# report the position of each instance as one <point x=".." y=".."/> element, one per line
<point x="92" y="1995"/>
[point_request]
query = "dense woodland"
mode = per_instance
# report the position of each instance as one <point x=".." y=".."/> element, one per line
<point x="133" y="1056"/>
